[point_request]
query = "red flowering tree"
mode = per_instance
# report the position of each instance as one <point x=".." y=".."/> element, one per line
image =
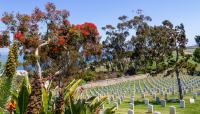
<point x="50" y="44"/>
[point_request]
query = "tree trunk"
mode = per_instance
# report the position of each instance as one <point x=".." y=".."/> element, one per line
<point x="177" y="76"/>
<point x="60" y="104"/>
<point x="60" y="100"/>
<point x="35" y="98"/>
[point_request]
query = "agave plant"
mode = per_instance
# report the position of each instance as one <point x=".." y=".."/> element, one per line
<point x="74" y="105"/>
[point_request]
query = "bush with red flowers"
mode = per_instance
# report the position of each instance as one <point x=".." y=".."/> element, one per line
<point x="61" y="40"/>
<point x="89" y="29"/>
<point x="19" y="36"/>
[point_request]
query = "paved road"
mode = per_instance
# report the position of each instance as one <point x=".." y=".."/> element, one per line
<point x="113" y="81"/>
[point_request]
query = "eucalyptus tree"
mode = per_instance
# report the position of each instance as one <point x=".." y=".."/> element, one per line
<point x="114" y="44"/>
<point x="139" y="41"/>
<point x="116" y="41"/>
<point x="178" y="43"/>
<point x="196" y="53"/>
<point x="197" y="39"/>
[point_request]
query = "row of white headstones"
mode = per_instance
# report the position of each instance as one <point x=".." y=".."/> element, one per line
<point x="151" y="86"/>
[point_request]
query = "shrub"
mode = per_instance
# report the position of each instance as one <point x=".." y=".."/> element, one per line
<point x="131" y="71"/>
<point x="119" y="74"/>
<point x="196" y="55"/>
<point x="88" y="76"/>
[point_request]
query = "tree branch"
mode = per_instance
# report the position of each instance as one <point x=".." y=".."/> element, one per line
<point x="38" y="68"/>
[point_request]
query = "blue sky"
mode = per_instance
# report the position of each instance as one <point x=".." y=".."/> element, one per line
<point x="102" y="12"/>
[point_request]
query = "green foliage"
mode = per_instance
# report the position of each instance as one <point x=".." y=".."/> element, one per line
<point x="89" y="106"/>
<point x="70" y="91"/>
<point x="196" y="55"/>
<point x="197" y="39"/>
<point x="88" y="76"/>
<point x="110" y="110"/>
<point x="5" y="86"/>
<point x="80" y="106"/>
<point x="22" y="99"/>
<point x="45" y="99"/>
<point x="119" y="74"/>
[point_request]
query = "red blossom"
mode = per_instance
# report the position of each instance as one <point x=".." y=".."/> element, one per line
<point x="87" y="29"/>
<point x="66" y="22"/>
<point x="55" y="49"/>
<point x="19" y="36"/>
<point x="61" y="40"/>
<point x="11" y="106"/>
<point x="85" y="33"/>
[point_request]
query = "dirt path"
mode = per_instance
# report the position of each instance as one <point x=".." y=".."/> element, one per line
<point x="113" y="81"/>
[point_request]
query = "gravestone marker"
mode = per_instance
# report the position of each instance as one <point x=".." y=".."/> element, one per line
<point x="130" y="111"/>
<point x="150" y="108"/>
<point x="156" y="113"/>
<point x="172" y="110"/>
<point x="158" y="99"/>
<point x="182" y="104"/>
<point x="131" y="106"/>
<point x="191" y="101"/>
<point x="146" y="101"/>
<point x="163" y="103"/>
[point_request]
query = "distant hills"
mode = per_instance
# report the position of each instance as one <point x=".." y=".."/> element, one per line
<point x="192" y="47"/>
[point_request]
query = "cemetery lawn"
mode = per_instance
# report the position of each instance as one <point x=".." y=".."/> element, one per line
<point x="141" y="108"/>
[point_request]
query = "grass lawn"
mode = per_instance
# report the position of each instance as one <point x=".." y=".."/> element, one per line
<point x="141" y="108"/>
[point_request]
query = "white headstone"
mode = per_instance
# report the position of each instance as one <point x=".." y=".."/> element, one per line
<point x="172" y="110"/>
<point x="182" y="103"/>
<point x="130" y="111"/>
<point x="150" y="108"/>
<point x="163" y="103"/>
<point x="191" y="101"/>
<point x="132" y="100"/>
<point x="131" y="106"/>
<point x="143" y="95"/>
<point x="146" y="101"/>
<point x="156" y="113"/>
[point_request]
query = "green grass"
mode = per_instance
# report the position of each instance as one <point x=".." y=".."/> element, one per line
<point x="141" y="108"/>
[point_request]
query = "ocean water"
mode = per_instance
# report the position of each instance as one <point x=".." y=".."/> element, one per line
<point x="4" y="56"/>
